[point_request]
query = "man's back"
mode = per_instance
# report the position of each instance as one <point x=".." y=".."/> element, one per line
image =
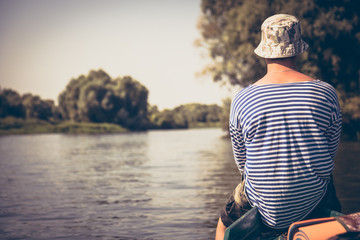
<point x="285" y="137"/>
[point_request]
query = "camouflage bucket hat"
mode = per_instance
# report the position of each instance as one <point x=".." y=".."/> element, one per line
<point x="281" y="37"/>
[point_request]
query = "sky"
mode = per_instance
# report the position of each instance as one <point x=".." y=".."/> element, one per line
<point x="46" y="43"/>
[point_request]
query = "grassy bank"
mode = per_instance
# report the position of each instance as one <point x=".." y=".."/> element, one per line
<point x="19" y="126"/>
<point x="11" y="125"/>
<point x="205" y="125"/>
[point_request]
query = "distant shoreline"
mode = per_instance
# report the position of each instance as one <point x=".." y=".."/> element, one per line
<point x="13" y="126"/>
<point x="18" y="126"/>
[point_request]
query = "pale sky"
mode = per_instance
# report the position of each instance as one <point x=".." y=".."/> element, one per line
<point x="46" y="43"/>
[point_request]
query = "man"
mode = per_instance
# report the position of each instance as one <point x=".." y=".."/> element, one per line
<point x="285" y="131"/>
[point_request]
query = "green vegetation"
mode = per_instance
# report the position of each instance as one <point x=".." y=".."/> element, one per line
<point x="98" y="104"/>
<point x="350" y="107"/>
<point x="230" y="32"/>
<point x="186" y="116"/>
<point x="98" y="98"/>
<point x="11" y="125"/>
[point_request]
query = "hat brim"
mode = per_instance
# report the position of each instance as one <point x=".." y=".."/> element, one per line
<point x="280" y="51"/>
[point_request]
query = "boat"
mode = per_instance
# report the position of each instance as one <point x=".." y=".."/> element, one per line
<point x="250" y="227"/>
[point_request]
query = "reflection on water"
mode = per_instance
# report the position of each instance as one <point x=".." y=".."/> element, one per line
<point x="154" y="185"/>
<point x="151" y="185"/>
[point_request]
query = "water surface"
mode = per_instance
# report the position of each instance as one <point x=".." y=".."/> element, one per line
<point x="150" y="185"/>
<point x="154" y="185"/>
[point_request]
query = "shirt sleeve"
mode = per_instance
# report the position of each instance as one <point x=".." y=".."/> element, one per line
<point x="238" y="146"/>
<point x="333" y="133"/>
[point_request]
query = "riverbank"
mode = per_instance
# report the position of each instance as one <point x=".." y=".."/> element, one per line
<point x="10" y="125"/>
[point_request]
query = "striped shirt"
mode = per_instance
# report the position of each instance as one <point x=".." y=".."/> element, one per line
<point x="284" y="138"/>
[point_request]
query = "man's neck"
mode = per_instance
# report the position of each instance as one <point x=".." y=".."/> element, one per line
<point x="281" y="65"/>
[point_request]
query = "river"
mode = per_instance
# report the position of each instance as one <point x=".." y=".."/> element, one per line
<point x="148" y="185"/>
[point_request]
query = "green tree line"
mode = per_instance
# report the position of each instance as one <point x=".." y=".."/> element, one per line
<point x="26" y="106"/>
<point x="97" y="98"/>
<point x="230" y="31"/>
<point x="185" y="116"/>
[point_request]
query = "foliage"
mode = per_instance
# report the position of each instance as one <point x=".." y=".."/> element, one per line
<point x="231" y="30"/>
<point x="350" y="108"/>
<point x="185" y="116"/>
<point x="11" y="125"/>
<point x="93" y="98"/>
<point x="71" y="127"/>
<point x="95" y="102"/>
<point x="27" y="106"/>
<point x="35" y="107"/>
<point x="98" y="98"/>
<point x="10" y="104"/>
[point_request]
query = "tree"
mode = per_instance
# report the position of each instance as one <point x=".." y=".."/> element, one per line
<point x="27" y="106"/>
<point x="35" y="107"/>
<point x="10" y="104"/>
<point x="134" y="98"/>
<point x="350" y="108"/>
<point x="231" y="31"/>
<point x="79" y="100"/>
<point x="98" y="98"/>
<point x="184" y="116"/>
